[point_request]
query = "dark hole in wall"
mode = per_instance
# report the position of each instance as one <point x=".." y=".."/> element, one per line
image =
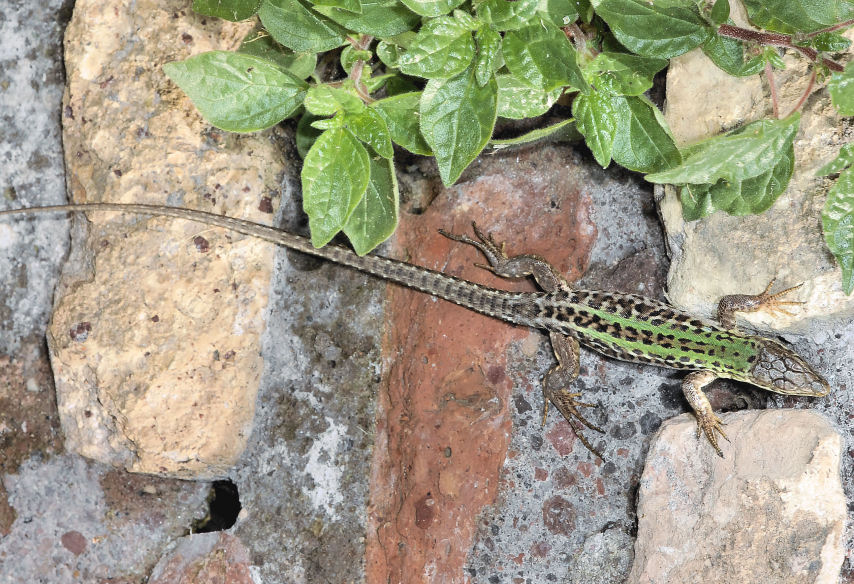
<point x="223" y="507"/>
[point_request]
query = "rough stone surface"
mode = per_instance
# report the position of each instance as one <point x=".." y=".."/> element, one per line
<point x="772" y="510"/>
<point x="155" y="338"/>
<point x="215" y="558"/>
<point x="723" y="254"/>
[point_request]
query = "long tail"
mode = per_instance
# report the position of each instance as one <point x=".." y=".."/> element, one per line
<point x="507" y="306"/>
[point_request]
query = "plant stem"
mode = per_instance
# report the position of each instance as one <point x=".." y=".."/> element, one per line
<point x="775" y="40"/>
<point x="772" y="85"/>
<point x="805" y="95"/>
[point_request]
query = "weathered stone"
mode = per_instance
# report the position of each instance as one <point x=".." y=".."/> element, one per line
<point x="723" y="254"/>
<point x="205" y="557"/>
<point x="155" y="336"/>
<point x="772" y="510"/>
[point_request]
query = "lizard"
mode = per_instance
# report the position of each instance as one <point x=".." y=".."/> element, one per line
<point x="626" y="327"/>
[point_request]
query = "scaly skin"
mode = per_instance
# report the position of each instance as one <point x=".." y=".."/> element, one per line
<point x="622" y="326"/>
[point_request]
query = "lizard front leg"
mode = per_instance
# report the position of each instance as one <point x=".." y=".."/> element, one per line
<point x="556" y="382"/>
<point x="707" y="421"/>
<point x="729" y="305"/>
<point x="545" y="275"/>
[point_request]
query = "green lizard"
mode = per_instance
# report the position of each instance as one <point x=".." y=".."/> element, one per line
<point x="622" y="326"/>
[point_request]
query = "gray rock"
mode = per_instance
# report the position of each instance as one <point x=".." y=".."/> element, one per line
<point x="772" y="510"/>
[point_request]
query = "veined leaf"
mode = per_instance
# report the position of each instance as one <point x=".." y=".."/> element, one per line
<point x="748" y="197"/>
<point x="517" y="100"/>
<point x="663" y="29"/>
<point x="233" y="10"/>
<point x="262" y="45"/>
<point x="596" y="118"/>
<point x="237" y="92"/>
<point x="841" y="162"/>
<point x="323" y="100"/>
<point x="728" y="54"/>
<point x="375" y="217"/>
<point x="401" y="114"/>
<point x="642" y="141"/>
<point x="841" y="88"/>
<point x="354" y="6"/>
<point x="431" y="7"/>
<point x="559" y="12"/>
<point x="442" y="48"/>
<point x="335" y="175"/>
<point x="457" y="118"/>
<point x="622" y="73"/>
<point x="542" y="56"/>
<point x="370" y="127"/>
<point x="294" y="26"/>
<point x="504" y="15"/>
<point x="488" y="46"/>
<point x="791" y="16"/>
<point x="380" y="18"/>
<point x="734" y="157"/>
<point x="838" y="223"/>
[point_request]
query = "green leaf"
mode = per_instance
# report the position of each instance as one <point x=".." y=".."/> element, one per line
<point x="728" y="54"/>
<point x="720" y="11"/>
<point x="488" y="45"/>
<point x="375" y="217"/>
<point x="664" y="28"/>
<point x="323" y="100"/>
<point x="734" y="157"/>
<point x="306" y="134"/>
<point x="457" y="118"/>
<point x="370" y="127"/>
<point x="504" y="15"/>
<point x="388" y="53"/>
<point x="261" y="44"/>
<point x="841" y="162"/>
<point x="380" y="18"/>
<point x="841" y="88"/>
<point x="559" y="12"/>
<point x="401" y="115"/>
<point x="232" y="10"/>
<point x="830" y="42"/>
<point x="791" y="16"/>
<point x="542" y="56"/>
<point x="293" y="25"/>
<point x="642" y="142"/>
<point x="517" y="100"/>
<point x="596" y="118"/>
<point x="748" y="197"/>
<point x="237" y="92"/>
<point x="442" y="48"/>
<point x="335" y="175"/>
<point x="431" y="7"/>
<point x="838" y="224"/>
<point x="354" y="6"/>
<point x="563" y="131"/>
<point x="622" y="73"/>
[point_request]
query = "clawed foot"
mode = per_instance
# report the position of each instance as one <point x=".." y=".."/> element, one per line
<point x="771" y="302"/>
<point x="711" y="425"/>
<point x="568" y="406"/>
<point x="493" y="250"/>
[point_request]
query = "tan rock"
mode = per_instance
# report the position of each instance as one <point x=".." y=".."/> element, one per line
<point x="772" y="510"/>
<point x="155" y="339"/>
<point x="723" y="254"/>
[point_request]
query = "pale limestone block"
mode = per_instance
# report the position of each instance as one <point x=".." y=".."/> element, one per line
<point x="722" y="254"/>
<point x="772" y="510"/>
<point x="155" y="339"/>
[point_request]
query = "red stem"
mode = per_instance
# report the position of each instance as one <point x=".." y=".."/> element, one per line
<point x="769" y="73"/>
<point x="805" y="95"/>
<point x="776" y="40"/>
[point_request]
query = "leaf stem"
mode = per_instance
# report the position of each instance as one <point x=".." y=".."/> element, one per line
<point x="841" y="25"/>
<point x="776" y="40"/>
<point x="772" y="85"/>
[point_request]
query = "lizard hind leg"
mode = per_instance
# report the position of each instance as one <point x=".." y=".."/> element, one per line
<point x="555" y="384"/>
<point x="771" y="303"/>
<point x="512" y="267"/>
<point x="707" y="422"/>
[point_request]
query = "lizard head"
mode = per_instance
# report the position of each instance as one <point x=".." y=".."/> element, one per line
<point x="781" y="370"/>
